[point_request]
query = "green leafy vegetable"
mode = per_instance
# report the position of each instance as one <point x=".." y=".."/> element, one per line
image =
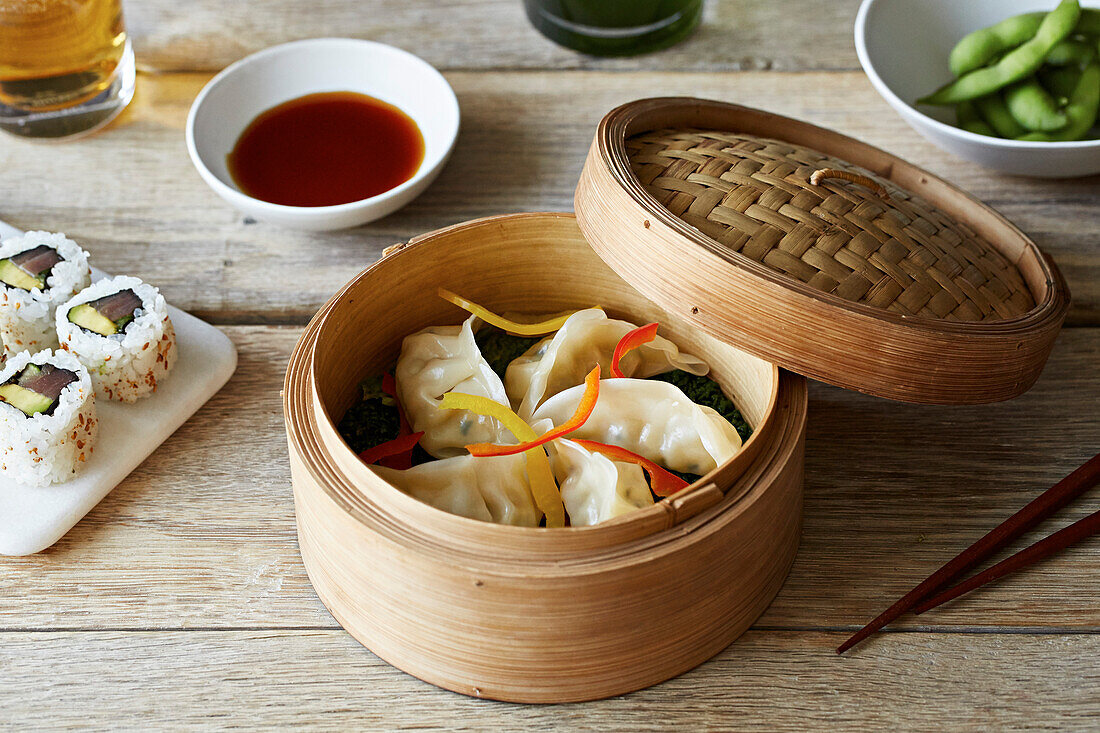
<point x="368" y="423"/>
<point x="372" y="390"/>
<point x="500" y="348"/>
<point x="374" y="420"/>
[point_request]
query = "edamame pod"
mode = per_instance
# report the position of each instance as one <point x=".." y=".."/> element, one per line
<point x="967" y="118"/>
<point x="1060" y="82"/>
<point x="1089" y="22"/>
<point x="1032" y="106"/>
<point x="993" y="110"/>
<point x="1084" y="103"/>
<point x="1071" y="51"/>
<point x="1017" y="64"/>
<point x="977" y="49"/>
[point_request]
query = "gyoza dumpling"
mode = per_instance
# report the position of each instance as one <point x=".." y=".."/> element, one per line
<point x="490" y="489"/>
<point x="593" y="487"/>
<point x="445" y="359"/>
<point x="588" y="337"/>
<point x="652" y="418"/>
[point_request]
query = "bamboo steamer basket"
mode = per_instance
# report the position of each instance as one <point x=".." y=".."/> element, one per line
<point x="521" y="614"/>
<point x="757" y="242"/>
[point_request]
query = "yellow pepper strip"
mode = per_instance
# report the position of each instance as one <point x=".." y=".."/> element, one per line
<point x="543" y="487"/>
<point x="490" y="408"/>
<point x="520" y="329"/>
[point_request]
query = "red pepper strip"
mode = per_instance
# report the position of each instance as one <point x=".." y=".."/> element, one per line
<point x="393" y="447"/>
<point x="583" y="412"/>
<point x="402" y="461"/>
<point x="634" y="339"/>
<point x="663" y="483"/>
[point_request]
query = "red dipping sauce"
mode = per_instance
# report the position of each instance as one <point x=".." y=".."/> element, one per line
<point x="326" y="149"/>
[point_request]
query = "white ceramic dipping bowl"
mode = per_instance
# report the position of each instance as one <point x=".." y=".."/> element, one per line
<point x="233" y="98"/>
<point x="903" y="46"/>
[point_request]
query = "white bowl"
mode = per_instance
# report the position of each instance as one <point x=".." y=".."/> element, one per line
<point x="275" y="75"/>
<point x="903" y="46"/>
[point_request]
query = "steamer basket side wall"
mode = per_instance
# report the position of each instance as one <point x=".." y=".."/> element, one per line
<point x="521" y="614"/>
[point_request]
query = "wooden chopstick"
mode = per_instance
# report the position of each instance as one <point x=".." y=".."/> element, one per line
<point x="1057" y="542"/>
<point x="1047" y="503"/>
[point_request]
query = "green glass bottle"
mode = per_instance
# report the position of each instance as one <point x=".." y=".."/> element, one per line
<point x="615" y="27"/>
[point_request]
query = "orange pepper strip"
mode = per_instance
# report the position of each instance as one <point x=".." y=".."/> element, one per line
<point x="634" y="339"/>
<point x="583" y="412"/>
<point x="393" y="447"/>
<point x="543" y="486"/>
<point x="401" y="461"/>
<point x="520" y="329"/>
<point x="663" y="483"/>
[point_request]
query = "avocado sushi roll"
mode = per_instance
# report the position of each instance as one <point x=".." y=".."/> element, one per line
<point x="38" y="272"/>
<point x="48" y="423"/>
<point x="120" y="330"/>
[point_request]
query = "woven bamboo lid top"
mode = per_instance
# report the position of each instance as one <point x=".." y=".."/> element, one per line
<point x="866" y="241"/>
<point x="820" y="253"/>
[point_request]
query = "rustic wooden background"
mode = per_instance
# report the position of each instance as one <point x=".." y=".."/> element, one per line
<point x="181" y="598"/>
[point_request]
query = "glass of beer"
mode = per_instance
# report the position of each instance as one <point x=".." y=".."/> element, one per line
<point x="66" y="66"/>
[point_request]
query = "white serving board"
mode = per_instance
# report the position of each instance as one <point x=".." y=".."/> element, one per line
<point x="32" y="519"/>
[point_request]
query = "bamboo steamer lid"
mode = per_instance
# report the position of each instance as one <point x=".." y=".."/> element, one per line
<point x="818" y="252"/>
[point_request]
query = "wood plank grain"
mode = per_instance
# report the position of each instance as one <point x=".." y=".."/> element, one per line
<point x="488" y="34"/>
<point x="894" y="491"/>
<point x="202" y="534"/>
<point x="775" y="681"/>
<point x="131" y="195"/>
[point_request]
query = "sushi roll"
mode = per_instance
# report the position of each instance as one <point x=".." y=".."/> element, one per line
<point x="120" y="330"/>
<point x="48" y="423"/>
<point x="38" y="272"/>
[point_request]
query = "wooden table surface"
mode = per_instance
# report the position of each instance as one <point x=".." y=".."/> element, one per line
<point x="181" y="598"/>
